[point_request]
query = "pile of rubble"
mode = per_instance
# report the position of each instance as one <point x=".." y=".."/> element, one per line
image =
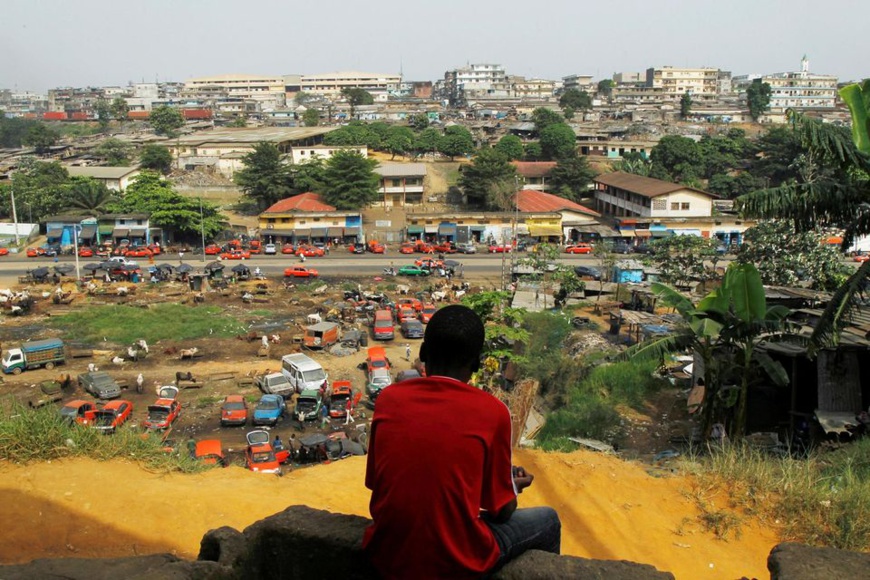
<point x="584" y="342"/>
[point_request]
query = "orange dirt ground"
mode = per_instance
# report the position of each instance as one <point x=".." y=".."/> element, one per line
<point x="610" y="509"/>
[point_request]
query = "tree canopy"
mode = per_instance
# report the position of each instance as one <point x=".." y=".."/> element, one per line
<point x="166" y="120"/>
<point x="757" y="98"/>
<point x="119" y="109"/>
<point x="543" y="117"/>
<point x="265" y="177"/>
<point x="675" y="158"/>
<point x="511" y="147"/>
<point x="558" y="141"/>
<point x="683" y="259"/>
<point x="571" y="177"/>
<point x="41" y="186"/>
<point x="575" y="100"/>
<point x="349" y="180"/>
<point x="356" y="97"/>
<point x="311" y="117"/>
<point x="489" y="180"/>
<point x="116" y="152"/>
<point x="685" y="105"/>
<point x="156" y="157"/>
<point x="41" y="137"/>
<point x="456" y="141"/>
<point x="90" y="197"/>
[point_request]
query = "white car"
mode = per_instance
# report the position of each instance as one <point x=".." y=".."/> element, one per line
<point x="270" y="249"/>
<point x="467" y="248"/>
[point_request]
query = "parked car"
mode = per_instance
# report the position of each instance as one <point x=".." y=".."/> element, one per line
<point x="579" y="249"/>
<point x="341" y="394"/>
<point x="234" y="411"/>
<point x="99" y="384"/>
<point x="259" y="454"/>
<point x="236" y="255"/>
<point x="269" y="410"/>
<point x="210" y="452"/>
<point x="270" y="249"/>
<point x="376" y="247"/>
<point x="112" y="415"/>
<point x="78" y="411"/>
<point x="407" y="375"/>
<point x="359" y="248"/>
<point x="139" y="252"/>
<point x="406" y="248"/>
<point x="587" y="272"/>
<point x="310" y="251"/>
<point x="622" y="248"/>
<point x="405" y="312"/>
<point x="288" y="249"/>
<point x="427" y="312"/>
<point x="429" y="263"/>
<point x="412" y="328"/>
<point x="85" y="252"/>
<point x="412" y="302"/>
<point x="165" y="410"/>
<point x="376" y="359"/>
<point x="308" y="404"/>
<point x="445" y="248"/>
<point x="300" y="272"/>
<point x="379" y="380"/>
<point x="500" y="249"/>
<point x="212" y="250"/>
<point x="643" y="249"/>
<point x="413" y="271"/>
<point x="466" y="248"/>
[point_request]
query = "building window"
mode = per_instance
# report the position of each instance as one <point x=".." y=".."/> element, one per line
<point x="685" y="206"/>
<point x="675" y="205"/>
<point x="397" y="183"/>
<point x="659" y="204"/>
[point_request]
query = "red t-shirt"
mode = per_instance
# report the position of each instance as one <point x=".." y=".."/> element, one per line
<point x="439" y="452"/>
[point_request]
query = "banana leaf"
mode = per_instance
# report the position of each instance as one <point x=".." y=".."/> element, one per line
<point x="857" y="98"/>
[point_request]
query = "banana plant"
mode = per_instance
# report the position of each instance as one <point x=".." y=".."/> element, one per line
<point x="857" y="98"/>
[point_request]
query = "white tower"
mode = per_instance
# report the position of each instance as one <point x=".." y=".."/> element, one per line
<point x="805" y="65"/>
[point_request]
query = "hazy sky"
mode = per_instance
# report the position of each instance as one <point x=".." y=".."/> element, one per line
<point x="50" y="43"/>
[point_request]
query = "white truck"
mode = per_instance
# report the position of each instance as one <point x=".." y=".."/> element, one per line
<point x="274" y="384"/>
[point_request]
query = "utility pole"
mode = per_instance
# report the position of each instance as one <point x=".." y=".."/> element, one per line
<point x="202" y="230"/>
<point x="14" y="212"/>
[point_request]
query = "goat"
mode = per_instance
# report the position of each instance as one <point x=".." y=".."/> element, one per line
<point x="275" y="339"/>
<point x="132" y="353"/>
<point x="188" y="352"/>
<point x="118" y="360"/>
<point x="121" y="291"/>
<point x="142" y="345"/>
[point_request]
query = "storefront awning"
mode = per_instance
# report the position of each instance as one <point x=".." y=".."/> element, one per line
<point x="545" y="230"/>
<point x="412" y="230"/>
<point x="271" y="232"/>
<point x="431" y="229"/>
<point x="301" y="232"/>
<point x="106" y="230"/>
<point x="478" y="228"/>
<point x="137" y="232"/>
<point x="334" y="232"/>
<point x="642" y="233"/>
<point x="626" y="233"/>
<point x="522" y="229"/>
<point x="54" y="233"/>
<point x="88" y="232"/>
<point x="318" y="232"/>
<point x="688" y="232"/>
<point x="447" y="230"/>
<point x="120" y="232"/>
<point x="602" y="231"/>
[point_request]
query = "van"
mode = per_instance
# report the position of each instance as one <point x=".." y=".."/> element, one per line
<point x="383" y="327"/>
<point x="321" y="335"/>
<point x="303" y="372"/>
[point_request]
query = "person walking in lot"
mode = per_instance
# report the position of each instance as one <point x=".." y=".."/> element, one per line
<point x="324" y="413"/>
<point x="472" y="524"/>
<point x="408" y="352"/>
<point x="349" y="413"/>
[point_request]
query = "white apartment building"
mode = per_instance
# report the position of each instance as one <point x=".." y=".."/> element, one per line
<point x="331" y="84"/>
<point x="801" y="90"/>
<point x="534" y="89"/>
<point x="700" y="83"/>
<point x="268" y="91"/>
<point x="579" y="82"/>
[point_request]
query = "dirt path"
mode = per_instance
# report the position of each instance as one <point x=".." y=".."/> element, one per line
<point x="610" y="509"/>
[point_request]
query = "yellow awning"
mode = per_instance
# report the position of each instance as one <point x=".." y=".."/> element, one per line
<point x="544" y="230"/>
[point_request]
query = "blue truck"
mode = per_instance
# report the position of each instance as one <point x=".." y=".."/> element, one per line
<point x="34" y="354"/>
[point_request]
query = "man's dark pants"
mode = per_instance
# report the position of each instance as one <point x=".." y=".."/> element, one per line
<point x="528" y="529"/>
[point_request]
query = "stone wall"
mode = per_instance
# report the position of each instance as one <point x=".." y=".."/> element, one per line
<point x="301" y="542"/>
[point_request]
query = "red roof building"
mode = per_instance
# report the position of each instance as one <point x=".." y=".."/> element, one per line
<point x="308" y="201"/>
<point x="531" y="201"/>
<point x="535" y="174"/>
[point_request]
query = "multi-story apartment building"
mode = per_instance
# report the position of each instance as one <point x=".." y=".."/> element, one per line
<point x="268" y="91"/>
<point x="579" y="82"/>
<point x="533" y="89"/>
<point x="475" y="81"/>
<point x="331" y="84"/>
<point x="701" y="83"/>
<point x="629" y="77"/>
<point x="801" y="90"/>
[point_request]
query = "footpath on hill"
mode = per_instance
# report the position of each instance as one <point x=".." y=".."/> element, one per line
<point x="610" y="509"/>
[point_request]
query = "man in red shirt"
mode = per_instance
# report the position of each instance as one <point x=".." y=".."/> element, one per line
<point x="439" y="467"/>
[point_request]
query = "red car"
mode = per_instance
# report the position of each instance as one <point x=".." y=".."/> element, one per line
<point x="377" y="359"/>
<point x="112" y="415"/>
<point x="500" y="249"/>
<point x="288" y="249"/>
<point x="4" y="251"/>
<point x="427" y="312"/>
<point x="86" y="252"/>
<point x="341" y="393"/>
<point x="255" y="247"/>
<point x="155" y="249"/>
<point x="424" y="248"/>
<point x="165" y="409"/>
<point x="139" y="252"/>
<point x="310" y="251"/>
<point x="260" y="455"/>
<point x="34" y="252"/>
<point x="300" y="272"/>
<point x="579" y="249"/>
<point x="376" y="248"/>
<point x="210" y="452"/>
<point x="445" y="248"/>
<point x="412" y="302"/>
<point x="78" y="411"/>
<point x="234" y="411"/>
<point x="861" y="258"/>
<point x="406" y="312"/>
<point x="406" y="248"/>
<point x="236" y="255"/>
<point x="212" y="250"/>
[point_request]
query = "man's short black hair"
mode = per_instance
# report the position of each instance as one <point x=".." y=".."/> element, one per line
<point x="454" y="338"/>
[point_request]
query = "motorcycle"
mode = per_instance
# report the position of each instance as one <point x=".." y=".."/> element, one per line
<point x="389" y="271"/>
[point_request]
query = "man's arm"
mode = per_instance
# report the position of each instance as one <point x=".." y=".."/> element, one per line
<point x="522" y="480"/>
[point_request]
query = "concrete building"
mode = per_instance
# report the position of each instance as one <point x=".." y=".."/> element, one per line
<point x="331" y="84"/>
<point x="303" y="153"/>
<point x="615" y="149"/>
<point x="801" y="89"/>
<point x="534" y="174"/>
<point x="401" y="184"/>
<point x="305" y="218"/>
<point x="532" y="89"/>
<point x="580" y="83"/>
<point x="575" y="219"/>
<point x="115" y="178"/>
<point x="622" y="194"/>
<point x="474" y="82"/>
<point x="480" y="227"/>
<point x="629" y="77"/>
<point x="268" y="91"/>
<point x="700" y="83"/>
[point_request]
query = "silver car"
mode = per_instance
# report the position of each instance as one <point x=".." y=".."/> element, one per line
<point x="466" y="248"/>
<point x="270" y="249"/>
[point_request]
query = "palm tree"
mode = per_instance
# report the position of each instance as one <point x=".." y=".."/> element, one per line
<point x="89" y="197"/>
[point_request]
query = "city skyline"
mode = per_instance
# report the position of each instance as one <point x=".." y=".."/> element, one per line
<point x="53" y="44"/>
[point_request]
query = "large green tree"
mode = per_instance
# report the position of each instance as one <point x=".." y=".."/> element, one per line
<point x="40" y="186"/>
<point x="119" y="109"/>
<point x="104" y="113"/>
<point x="156" y="157"/>
<point x="682" y="260"/>
<point x="14" y="130"/>
<point x="166" y="120"/>
<point x="575" y="100"/>
<point x="427" y="141"/>
<point x="265" y="177"/>
<point x="356" y="97"/>
<point x="678" y="159"/>
<point x="350" y="181"/>
<point x="757" y="98"/>
<point x="116" y="152"/>
<point x="419" y="121"/>
<point x="311" y="117"/>
<point x="605" y="88"/>
<point x="571" y="177"/>
<point x="511" y="147"/>
<point x="543" y="117"/>
<point x="489" y="180"/>
<point x="558" y="141"/>
<point x="150" y="193"/>
<point x="456" y="141"/>
<point x="399" y="141"/>
<point x="41" y="137"/>
<point x="685" y="105"/>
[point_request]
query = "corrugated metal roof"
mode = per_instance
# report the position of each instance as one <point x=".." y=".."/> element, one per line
<point x="401" y="169"/>
<point x="250" y="136"/>
<point x="645" y="186"/>
<point x="534" y="168"/>
<point x="309" y="201"/>
<point x="101" y="172"/>
<point x="529" y="200"/>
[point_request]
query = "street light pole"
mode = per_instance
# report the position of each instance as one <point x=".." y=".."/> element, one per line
<point x="76" y="229"/>
<point x="14" y="213"/>
<point x="202" y="230"/>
